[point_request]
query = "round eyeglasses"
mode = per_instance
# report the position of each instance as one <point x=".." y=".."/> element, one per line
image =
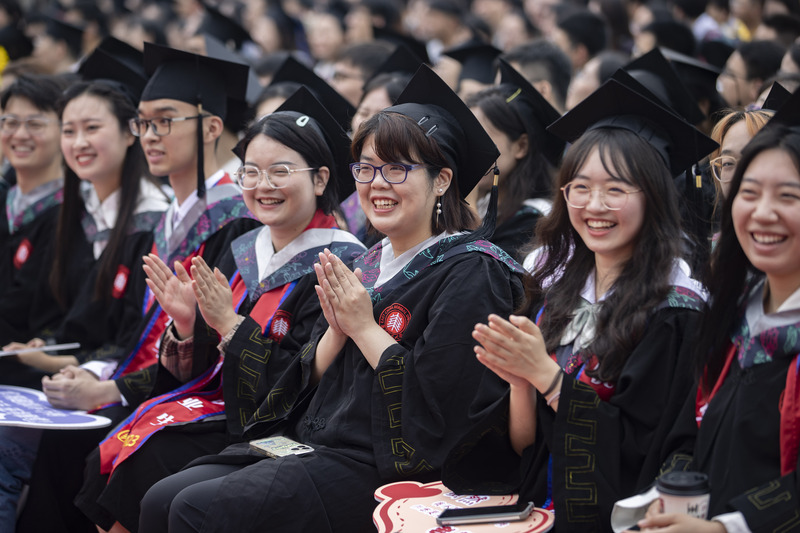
<point x="277" y="176"/>
<point x="723" y="167"/>
<point x="9" y="124"/>
<point x="394" y="173"/>
<point x="579" y="195"/>
<point x="161" y="126"/>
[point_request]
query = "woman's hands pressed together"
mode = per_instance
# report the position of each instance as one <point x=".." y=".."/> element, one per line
<point x="214" y="296"/>
<point x="173" y="291"/>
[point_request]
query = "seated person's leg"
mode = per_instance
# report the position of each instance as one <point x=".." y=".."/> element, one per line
<point x="17" y="454"/>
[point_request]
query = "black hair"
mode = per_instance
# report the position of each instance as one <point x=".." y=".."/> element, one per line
<point x="367" y="57"/>
<point x="733" y="275"/>
<point x="541" y="59"/>
<point x="586" y="28"/>
<point x="673" y="35"/>
<point x="610" y="62"/>
<point x="691" y="8"/>
<point x="643" y="282"/>
<point x="787" y="27"/>
<point x="532" y="177"/>
<point x="398" y="138"/>
<point x="134" y="169"/>
<point x="42" y="91"/>
<point x="393" y="82"/>
<point x="616" y="15"/>
<point x="308" y="141"/>
<point x="762" y="59"/>
<point x="390" y="11"/>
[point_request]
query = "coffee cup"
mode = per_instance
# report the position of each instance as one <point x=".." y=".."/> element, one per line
<point x="684" y="493"/>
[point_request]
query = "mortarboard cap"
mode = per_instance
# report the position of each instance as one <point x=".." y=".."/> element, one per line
<point x="303" y="102"/>
<point x="455" y="8"/>
<point x="615" y="105"/>
<point x="293" y="71"/>
<point x="477" y="60"/>
<point x="678" y="96"/>
<point x="536" y="113"/>
<point x="222" y="27"/>
<point x="62" y="31"/>
<point x="198" y="80"/>
<point x="692" y="70"/>
<point x="16" y="44"/>
<point x="439" y="111"/>
<point x="400" y="60"/>
<point x="788" y="114"/>
<point x="192" y="78"/>
<point x="417" y="47"/>
<point x="777" y="97"/>
<point x="127" y="76"/>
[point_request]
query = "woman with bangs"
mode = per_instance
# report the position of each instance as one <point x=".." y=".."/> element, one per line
<point x="600" y="370"/>
<point x="388" y="384"/>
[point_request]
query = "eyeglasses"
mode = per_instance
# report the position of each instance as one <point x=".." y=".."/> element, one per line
<point x="161" y="126"/>
<point x="277" y="176"/>
<point x="394" y="173"/>
<point x="9" y="124"/>
<point x="579" y="195"/>
<point x="723" y="167"/>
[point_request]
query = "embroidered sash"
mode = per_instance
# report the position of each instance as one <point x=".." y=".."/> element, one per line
<point x="29" y="214"/>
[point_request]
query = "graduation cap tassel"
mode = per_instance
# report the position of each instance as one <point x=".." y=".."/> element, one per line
<point x="486" y="229"/>
<point x="201" y="178"/>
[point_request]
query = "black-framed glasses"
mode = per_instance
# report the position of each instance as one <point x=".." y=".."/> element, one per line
<point x="277" y="176"/>
<point x="394" y="173"/>
<point x="723" y="167"/>
<point x="161" y="126"/>
<point x="9" y="124"/>
<point x="578" y="195"/>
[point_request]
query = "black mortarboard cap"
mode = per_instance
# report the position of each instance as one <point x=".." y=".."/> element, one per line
<point x="294" y="71"/>
<point x="101" y="65"/>
<point x="788" y="114"/>
<point x="777" y="97"/>
<point x="222" y="27"/>
<point x="535" y="112"/>
<point x="197" y="80"/>
<point x="303" y="102"/>
<point x="400" y="60"/>
<point x="692" y="70"/>
<point x="715" y="52"/>
<point x="16" y="44"/>
<point x="456" y="8"/>
<point x="615" y="105"/>
<point x="477" y="60"/>
<point x="680" y="99"/>
<point x="192" y="78"/>
<point x="63" y="31"/>
<point x="419" y="48"/>
<point x="439" y="111"/>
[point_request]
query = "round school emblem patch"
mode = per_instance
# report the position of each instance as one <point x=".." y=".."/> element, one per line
<point x="23" y="253"/>
<point x="279" y="327"/>
<point x="394" y="320"/>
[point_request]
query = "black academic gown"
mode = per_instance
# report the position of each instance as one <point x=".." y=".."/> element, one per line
<point x="515" y="235"/>
<point x="28" y="307"/>
<point x="601" y="451"/>
<point x="370" y="426"/>
<point x="106" y="499"/>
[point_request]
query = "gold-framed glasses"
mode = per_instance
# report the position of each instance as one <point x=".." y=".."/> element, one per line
<point x="723" y="167"/>
<point x="578" y="195"/>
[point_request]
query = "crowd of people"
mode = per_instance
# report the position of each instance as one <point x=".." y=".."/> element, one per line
<point x="540" y="247"/>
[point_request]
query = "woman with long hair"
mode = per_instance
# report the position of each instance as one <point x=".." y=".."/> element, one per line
<point x="292" y="163"/>
<point x="743" y="422"/>
<point x="598" y="373"/>
<point x="387" y="384"/>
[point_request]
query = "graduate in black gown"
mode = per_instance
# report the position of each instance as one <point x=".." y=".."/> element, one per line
<point x="388" y="383"/>
<point x="747" y="406"/>
<point x="515" y="115"/>
<point x="272" y="292"/>
<point x="600" y="368"/>
<point x="29" y="308"/>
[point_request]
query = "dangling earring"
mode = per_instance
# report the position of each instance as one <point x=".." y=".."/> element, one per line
<point x="438" y="208"/>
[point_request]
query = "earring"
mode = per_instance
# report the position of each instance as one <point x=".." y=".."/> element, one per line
<point x="438" y="208"/>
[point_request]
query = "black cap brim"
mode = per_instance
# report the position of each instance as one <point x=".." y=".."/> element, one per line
<point x="416" y="46"/>
<point x="400" y="60"/>
<point x="446" y="118"/>
<point x="100" y="65"/>
<point x="777" y="97"/>
<point x="294" y="71"/>
<point x="536" y="113"/>
<point x="223" y="27"/>
<point x="615" y="105"/>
